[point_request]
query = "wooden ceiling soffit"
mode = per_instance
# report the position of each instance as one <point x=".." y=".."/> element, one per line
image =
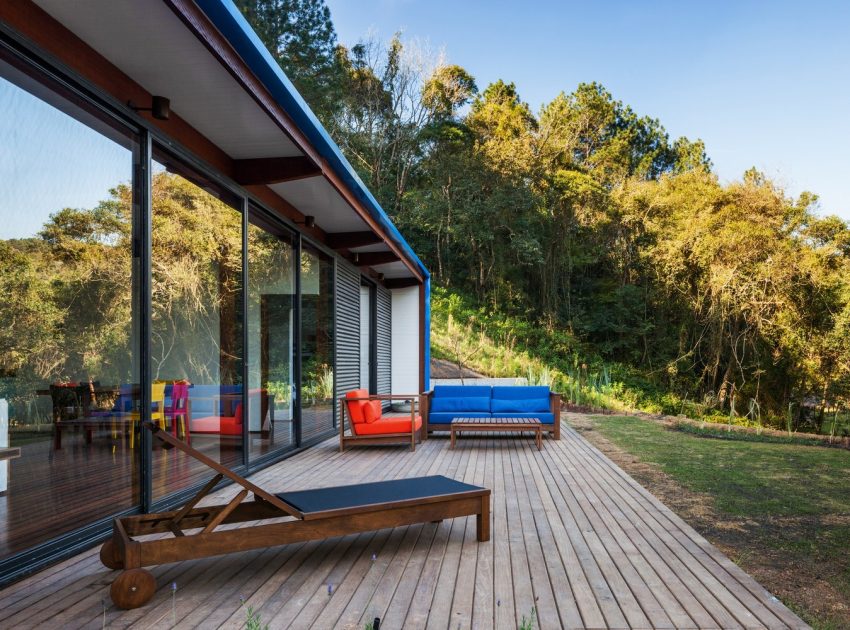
<point x="347" y="240"/>
<point x="198" y="23"/>
<point x="273" y="170"/>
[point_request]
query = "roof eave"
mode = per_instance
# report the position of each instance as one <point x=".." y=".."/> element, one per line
<point x="224" y="15"/>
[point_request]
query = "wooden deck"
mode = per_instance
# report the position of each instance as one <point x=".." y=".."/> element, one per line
<point x="575" y="543"/>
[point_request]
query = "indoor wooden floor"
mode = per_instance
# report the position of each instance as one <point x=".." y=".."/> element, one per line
<point x="575" y="542"/>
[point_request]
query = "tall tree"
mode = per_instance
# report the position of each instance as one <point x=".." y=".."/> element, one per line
<point x="302" y="39"/>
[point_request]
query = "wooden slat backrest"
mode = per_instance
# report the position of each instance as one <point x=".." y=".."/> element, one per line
<point x="191" y="452"/>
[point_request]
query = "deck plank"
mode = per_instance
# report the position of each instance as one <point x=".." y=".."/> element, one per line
<point x="746" y="606"/>
<point x="572" y="536"/>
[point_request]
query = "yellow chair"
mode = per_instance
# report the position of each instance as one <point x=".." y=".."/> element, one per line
<point x="157" y="410"/>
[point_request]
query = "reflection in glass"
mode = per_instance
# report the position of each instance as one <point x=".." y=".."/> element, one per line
<point x="317" y="339"/>
<point x="271" y="343"/>
<point x="196" y="328"/>
<point x="69" y="362"/>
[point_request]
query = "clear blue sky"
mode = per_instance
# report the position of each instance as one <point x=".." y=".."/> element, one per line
<point x="764" y="84"/>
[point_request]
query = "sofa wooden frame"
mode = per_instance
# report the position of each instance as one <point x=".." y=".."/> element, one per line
<point x="554" y="407"/>
<point x="135" y="586"/>
<point x="408" y="437"/>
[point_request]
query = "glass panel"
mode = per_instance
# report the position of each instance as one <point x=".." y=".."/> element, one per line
<point x="196" y="328"/>
<point x="271" y="342"/>
<point x="69" y="364"/>
<point x="317" y="339"/>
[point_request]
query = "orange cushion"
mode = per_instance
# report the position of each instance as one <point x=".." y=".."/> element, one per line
<point x="372" y="411"/>
<point x="355" y="407"/>
<point x="398" y="424"/>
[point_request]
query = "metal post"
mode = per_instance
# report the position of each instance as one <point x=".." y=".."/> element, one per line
<point x="143" y="189"/>
<point x="246" y="411"/>
<point x="296" y="399"/>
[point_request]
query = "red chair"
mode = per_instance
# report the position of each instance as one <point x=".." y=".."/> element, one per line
<point x="370" y="426"/>
<point x="229" y="421"/>
<point x="220" y="425"/>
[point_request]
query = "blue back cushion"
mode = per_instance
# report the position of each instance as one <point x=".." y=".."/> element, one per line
<point x="466" y="403"/>
<point x="462" y="391"/>
<point x="521" y="392"/>
<point x="202" y="397"/>
<point x="520" y="405"/>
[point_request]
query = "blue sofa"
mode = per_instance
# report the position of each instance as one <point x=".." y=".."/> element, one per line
<point x="445" y="402"/>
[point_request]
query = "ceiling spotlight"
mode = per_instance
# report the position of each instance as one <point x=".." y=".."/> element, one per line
<point x="309" y="221"/>
<point x="160" y="107"/>
<point x="380" y="277"/>
<point x="355" y="258"/>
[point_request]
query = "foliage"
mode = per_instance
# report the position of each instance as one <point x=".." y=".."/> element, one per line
<point x="301" y="38"/>
<point x="527" y="623"/>
<point x="68" y="312"/>
<point x="253" y="621"/>
<point x="713" y="431"/>
<point x="504" y="346"/>
<point x="588" y="222"/>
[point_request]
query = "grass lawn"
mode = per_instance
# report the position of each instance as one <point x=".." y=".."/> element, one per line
<point x="781" y="511"/>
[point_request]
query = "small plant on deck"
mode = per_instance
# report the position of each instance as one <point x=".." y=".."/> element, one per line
<point x="252" y="620"/>
<point x="527" y="623"/>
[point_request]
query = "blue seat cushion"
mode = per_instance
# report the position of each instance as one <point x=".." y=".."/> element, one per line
<point x="519" y="405"/>
<point x="520" y="392"/>
<point x="446" y="417"/>
<point x="462" y="391"/>
<point x="464" y="403"/>
<point x="545" y="417"/>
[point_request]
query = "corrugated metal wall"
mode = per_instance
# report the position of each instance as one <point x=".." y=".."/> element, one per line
<point x="347" y="375"/>
<point x="384" y="340"/>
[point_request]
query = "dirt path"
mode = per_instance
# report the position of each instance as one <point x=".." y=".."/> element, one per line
<point x="801" y="579"/>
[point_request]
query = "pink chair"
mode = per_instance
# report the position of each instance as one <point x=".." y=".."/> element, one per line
<point x="178" y="410"/>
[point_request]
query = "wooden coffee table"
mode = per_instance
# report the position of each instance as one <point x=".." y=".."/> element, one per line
<point x="461" y="424"/>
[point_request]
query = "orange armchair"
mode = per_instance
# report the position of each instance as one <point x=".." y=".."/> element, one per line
<point x="370" y="426"/>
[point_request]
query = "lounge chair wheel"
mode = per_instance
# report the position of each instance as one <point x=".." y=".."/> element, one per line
<point x="108" y="557"/>
<point x="133" y="588"/>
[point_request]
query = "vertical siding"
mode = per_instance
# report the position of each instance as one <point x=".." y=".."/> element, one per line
<point x="347" y="374"/>
<point x="384" y="340"/>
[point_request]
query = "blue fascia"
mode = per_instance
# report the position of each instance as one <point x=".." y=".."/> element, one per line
<point x="232" y="24"/>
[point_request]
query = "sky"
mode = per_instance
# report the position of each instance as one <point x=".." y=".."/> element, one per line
<point x="50" y="161"/>
<point x="764" y="84"/>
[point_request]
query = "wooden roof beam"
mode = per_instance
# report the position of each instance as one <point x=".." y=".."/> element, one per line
<point x="368" y="259"/>
<point x="274" y="170"/>
<point x="347" y="240"/>
<point x="401" y="283"/>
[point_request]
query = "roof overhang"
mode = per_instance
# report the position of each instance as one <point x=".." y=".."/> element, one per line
<point x="223" y="82"/>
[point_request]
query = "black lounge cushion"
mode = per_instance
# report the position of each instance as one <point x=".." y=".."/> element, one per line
<point x="364" y="494"/>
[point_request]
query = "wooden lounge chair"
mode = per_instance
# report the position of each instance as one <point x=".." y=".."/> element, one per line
<point x="283" y="518"/>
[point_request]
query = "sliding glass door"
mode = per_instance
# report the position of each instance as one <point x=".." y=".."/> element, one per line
<point x="122" y="302"/>
<point x="69" y="317"/>
<point x="317" y="344"/>
<point x="196" y="323"/>
<point x="271" y="336"/>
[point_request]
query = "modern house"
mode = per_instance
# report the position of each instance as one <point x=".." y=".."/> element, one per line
<point x="180" y="240"/>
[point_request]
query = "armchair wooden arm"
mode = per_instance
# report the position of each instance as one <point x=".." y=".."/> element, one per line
<point x="555" y="408"/>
